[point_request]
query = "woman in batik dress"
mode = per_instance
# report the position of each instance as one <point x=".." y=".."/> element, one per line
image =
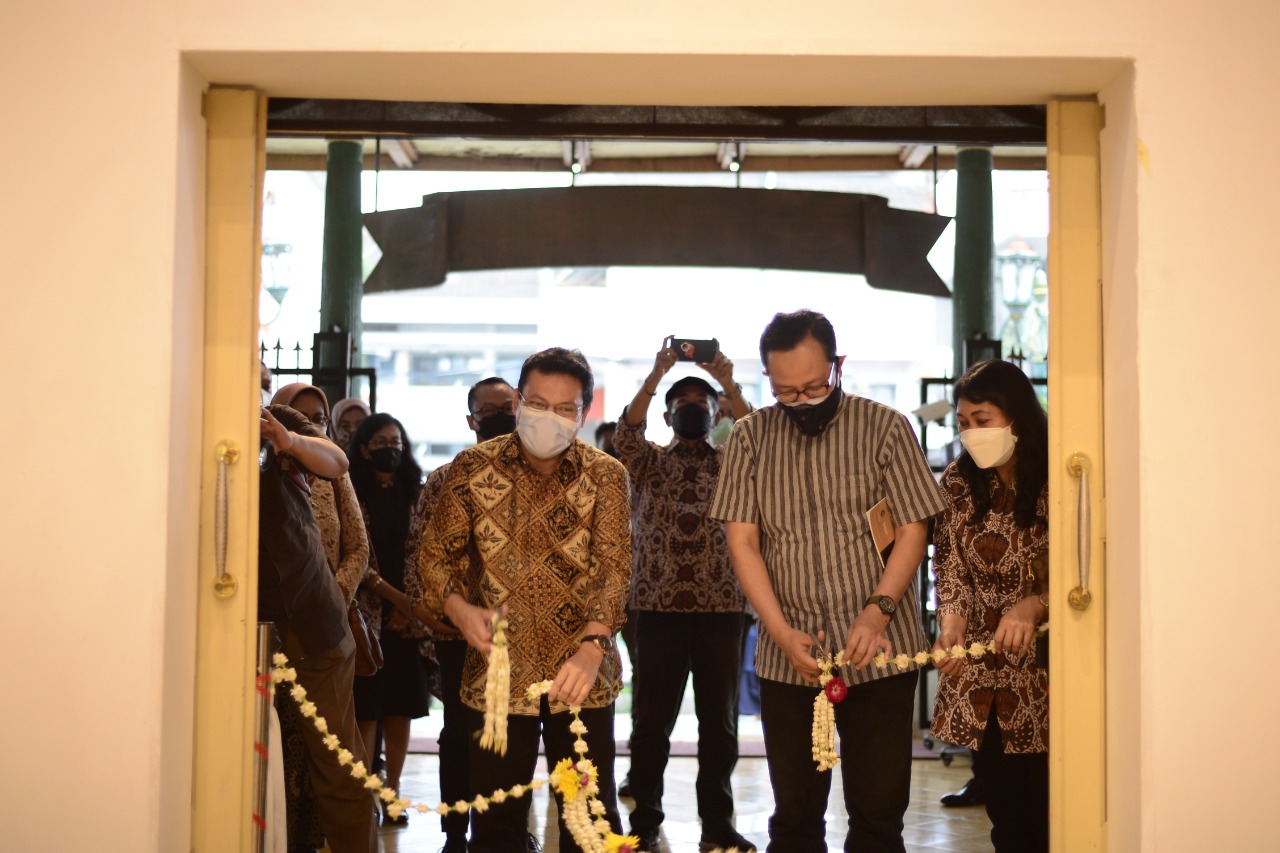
<point x="992" y="589"/>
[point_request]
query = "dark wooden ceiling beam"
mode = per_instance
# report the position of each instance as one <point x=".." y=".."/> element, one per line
<point x="970" y="125"/>
<point x="869" y="163"/>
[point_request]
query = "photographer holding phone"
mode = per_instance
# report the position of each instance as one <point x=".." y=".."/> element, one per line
<point x="688" y="604"/>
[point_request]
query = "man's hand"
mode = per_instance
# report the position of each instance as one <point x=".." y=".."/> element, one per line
<point x="866" y="637"/>
<point x="795" y="644"/>
<point x="721" y="369"/>
<point x="1017" y="627"/>
<point x="275" y="432"/>
<point x="573" y="682"/>
<point x="662" y="364"/>
<point x="474" y="623"/>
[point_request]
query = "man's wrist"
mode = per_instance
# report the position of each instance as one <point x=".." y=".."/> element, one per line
<point x="732" y="390"/>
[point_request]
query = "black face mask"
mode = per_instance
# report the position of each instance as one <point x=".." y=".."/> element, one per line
<point x="691" y="421"/>
<point x="812" y="420"/>
<point x="499" y="423"/>
<point x="386" y="459"/>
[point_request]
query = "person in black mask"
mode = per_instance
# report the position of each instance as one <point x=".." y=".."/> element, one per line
<point x="797" y="482"/>
<point x="686" y="601"/>
<point x="387" y="481"/>
<point x="490" y="414"/>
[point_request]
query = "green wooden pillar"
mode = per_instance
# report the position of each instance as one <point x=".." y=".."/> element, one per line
<point x="973" y="306"/>
<point x="341" y="274"/>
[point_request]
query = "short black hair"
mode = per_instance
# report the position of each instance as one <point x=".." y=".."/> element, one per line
<point x="563" y="362"/>
<point x="605" y="427"/>
<point x="786" y="331"/>
<point x="483" y="383"/>
<point x="686" y="382"/>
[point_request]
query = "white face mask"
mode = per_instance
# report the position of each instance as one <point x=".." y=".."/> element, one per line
<point x="544" y="434"/>
<point x="990" y="447"/>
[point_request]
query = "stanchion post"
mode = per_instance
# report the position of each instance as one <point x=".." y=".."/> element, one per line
<point x="261" y="734"/>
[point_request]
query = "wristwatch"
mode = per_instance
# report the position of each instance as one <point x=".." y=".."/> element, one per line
<point x="603" y="642"/>
<point x="886" y="604"/>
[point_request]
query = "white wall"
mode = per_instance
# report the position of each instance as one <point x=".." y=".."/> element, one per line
<point x="99" y="237"/>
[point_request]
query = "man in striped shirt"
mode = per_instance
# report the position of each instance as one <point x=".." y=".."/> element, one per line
<point x="795" y="485"/>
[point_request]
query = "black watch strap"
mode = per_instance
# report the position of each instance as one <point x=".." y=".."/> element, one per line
<point x="604" y="642"/>
<point x="886" y="604"/>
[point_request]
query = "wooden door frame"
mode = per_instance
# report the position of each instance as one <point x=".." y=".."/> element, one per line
<point x="1077" y="741"/>
<point x="235" y="118"/>
<point x="226" y="629"/>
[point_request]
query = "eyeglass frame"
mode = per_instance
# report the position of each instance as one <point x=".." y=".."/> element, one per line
<point x="809" y="391"/>
<point x="544" y="406"/>
<point x="378" y="443"/>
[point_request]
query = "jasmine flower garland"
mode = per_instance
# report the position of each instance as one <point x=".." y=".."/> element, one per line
<point x="575" y="780"/>
<point x="497" y="690"/>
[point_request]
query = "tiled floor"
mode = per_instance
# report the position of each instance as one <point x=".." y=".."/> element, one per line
<point x="928" y="825"/>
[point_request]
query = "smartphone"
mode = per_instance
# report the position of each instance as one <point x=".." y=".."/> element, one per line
<point x="689" y="349"/>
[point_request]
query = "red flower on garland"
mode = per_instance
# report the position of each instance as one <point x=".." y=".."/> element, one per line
<point x="836" y="690"/>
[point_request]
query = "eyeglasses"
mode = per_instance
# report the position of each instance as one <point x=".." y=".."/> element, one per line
<point x="321" y="420"/>
<point x="380" y="442"/>
<point x="788" y="395"/>
<point x="568" y="411"/>
<point x="489" y="411"/>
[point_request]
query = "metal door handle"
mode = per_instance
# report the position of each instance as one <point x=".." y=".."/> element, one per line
<point x="1080" y="597"/>
<point x="224" y="585"/>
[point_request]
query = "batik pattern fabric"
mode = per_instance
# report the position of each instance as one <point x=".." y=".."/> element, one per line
<point x="556" y="550"/>
<point x="681" y="559"/>
<point x="982" y="571"/>
<point x="342" y="532"/>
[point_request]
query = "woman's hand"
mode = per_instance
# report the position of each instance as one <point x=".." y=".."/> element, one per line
<point x="795" y="645"/>
<point x="950" y="634"/>
<point x="573" y="682"/>
<point x="275" y="432"/>
<point x="1017" y="627"/>
<point x="397" y="621"/>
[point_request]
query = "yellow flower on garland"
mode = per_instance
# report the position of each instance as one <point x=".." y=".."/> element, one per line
<point x="621" y="843"/>
<point x="566" y="780"/>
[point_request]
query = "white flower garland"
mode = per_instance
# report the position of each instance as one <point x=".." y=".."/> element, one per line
<point x="834" y="690"/>
<point x="584" y="815"/>
<point x="824" y="712"/>
<point x="282" y="673"/>
<point x="497" y="690"/>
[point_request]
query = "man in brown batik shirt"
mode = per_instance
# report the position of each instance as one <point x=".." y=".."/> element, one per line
<point x="547" y="520"/>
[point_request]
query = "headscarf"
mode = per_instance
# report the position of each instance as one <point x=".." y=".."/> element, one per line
<point x="288" y="393"/>
<point x="340" y="408"/>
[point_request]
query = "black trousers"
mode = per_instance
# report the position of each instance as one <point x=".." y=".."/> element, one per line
<point x="455" y="735"/>
<point x="874" y="724"/>
<point x="503" y="828"/>
<point x="671" y="647"/>
<point x="1017" y="794"/>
